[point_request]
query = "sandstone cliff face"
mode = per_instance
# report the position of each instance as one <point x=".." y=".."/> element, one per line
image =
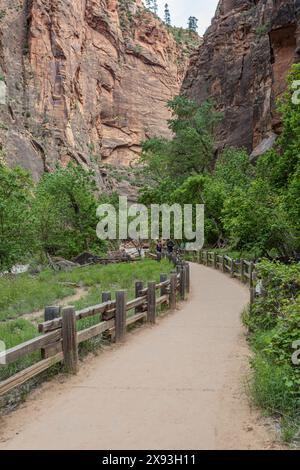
<point x="243" y="64"/>
<point x="86" y="80"/>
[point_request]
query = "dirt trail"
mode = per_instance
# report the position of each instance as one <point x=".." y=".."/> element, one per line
<point x="177" y="385"/>
<point x="37" y="316"/>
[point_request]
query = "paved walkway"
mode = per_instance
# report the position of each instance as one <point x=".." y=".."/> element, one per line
<point x="176" y="385"/>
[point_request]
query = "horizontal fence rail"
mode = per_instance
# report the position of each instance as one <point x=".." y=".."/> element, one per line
<point x="59" y="338"/>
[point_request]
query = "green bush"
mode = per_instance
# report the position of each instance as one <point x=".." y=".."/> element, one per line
<point x="274" y="324"/>
<point x="56" y="216"/>
<point x="13" y="333"/>
<point x="273" y="388"/>
<point x="17" y="240"/>
<point x="281" y="285"/>
<point x="65" y="212"/>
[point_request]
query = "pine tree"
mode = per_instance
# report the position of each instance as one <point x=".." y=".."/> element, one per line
<point x="152" y="6"/>
<point x="167" y="15"/>
<point x="193" y="24"/>
<point x="155" y="7"/>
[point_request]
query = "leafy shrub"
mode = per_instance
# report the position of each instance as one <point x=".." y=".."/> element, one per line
<point x="65" y="212"/>
<point x="56" y="216"/>
<point x="274" y="388"/>
<point x="254" y="217"/>
<point x="281" y="285"/>
<point x="274" y="323"/>
<point x="17" y="240"/>
<point x="280" y="345"/>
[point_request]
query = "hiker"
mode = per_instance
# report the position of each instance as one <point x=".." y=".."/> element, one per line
<point x="170" y="246"/>
<point x="159" y="249"/>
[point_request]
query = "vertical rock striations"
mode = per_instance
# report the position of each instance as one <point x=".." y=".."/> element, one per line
<point x="86" y="80"/>
<point x="243" y="63"/>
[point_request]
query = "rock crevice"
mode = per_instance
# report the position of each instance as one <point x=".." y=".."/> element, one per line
<point x="243" y="63"/>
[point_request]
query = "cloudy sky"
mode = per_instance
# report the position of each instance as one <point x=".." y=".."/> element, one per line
<point x="181" y="10"/>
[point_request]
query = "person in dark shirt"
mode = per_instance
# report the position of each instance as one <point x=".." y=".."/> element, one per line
<point x="159" y="249"/>
<point x="170" y="246"/>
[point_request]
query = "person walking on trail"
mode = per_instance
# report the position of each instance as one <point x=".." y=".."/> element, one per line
<point x="159" y="248"/>
<point x="170" y="246"/>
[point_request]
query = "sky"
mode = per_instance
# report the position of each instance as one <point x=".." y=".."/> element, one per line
<point x="181" y="10"/>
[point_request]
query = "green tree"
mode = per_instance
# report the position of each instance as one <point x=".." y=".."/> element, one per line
<point x="234" y="168"/>
<point x="255" y="219"/>
<point x="204" y="189"/>
<point x="65" y="212"/>
<point x="167" y="15"/>
<point x="16" y="237"/>
<point x="292" y="205"/>
<point x="193" y="24"/>
<point x="280" y="164"/>
<point x="192" y="148"/>
<point x="191" y="151"/>
<point x="152" y="5"/>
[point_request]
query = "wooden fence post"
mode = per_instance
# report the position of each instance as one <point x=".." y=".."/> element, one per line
<point x="120" y="320"/>
<point x="199" y="256"/>
<point x="252" y="297"/>
<point x="69" y="339"/>
<point x="151" y="299"/>
<point x="188" y="278"/>
<point x="107" y="335"/>
<point x="51" y="313"/>
<point x="232" y="267"/>
<point x="242" y="270"/>
<point x="163" y="290"/>
<point x="223" y="264"/>
<point x="251" y="274"/>
<point x="182" y="283"/>
<point x="173" y="291"/>
<point x="215" y="260"/>
<point x="139" y="286"/>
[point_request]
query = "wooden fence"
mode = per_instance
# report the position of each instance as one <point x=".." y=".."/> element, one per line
<point x="59" y="338"/>
<point x="241" y="269"/>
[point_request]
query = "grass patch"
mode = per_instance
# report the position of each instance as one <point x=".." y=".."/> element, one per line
<point x="118" y="277"/>
<point x="273" y="389"/>
<point x="13" y="333"/>
<point x="25" y="293"/>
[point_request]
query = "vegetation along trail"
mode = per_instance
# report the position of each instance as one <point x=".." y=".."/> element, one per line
<point x="177" y="385"/>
